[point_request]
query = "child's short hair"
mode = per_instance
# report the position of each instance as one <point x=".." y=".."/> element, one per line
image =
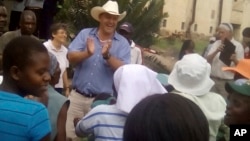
<point x="246" y="32"/>
<point x="19" y="50"/>
<point x="167" y="117"/>
<point x="27" y="13"/>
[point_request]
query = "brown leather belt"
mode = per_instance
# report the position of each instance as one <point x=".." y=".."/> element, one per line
<point x="86" y="95"/>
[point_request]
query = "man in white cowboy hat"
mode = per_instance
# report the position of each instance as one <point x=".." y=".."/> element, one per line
<point x="190" y="78"/>
<point x="97" y="53"/>
<point x="214" y="57"/>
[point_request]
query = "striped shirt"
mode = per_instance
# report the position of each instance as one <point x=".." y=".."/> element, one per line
<point x="22" y="119"/>
<point x="106" y="122"/>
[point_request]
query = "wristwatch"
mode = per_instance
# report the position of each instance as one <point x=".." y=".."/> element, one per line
<point x="106" y="56"/>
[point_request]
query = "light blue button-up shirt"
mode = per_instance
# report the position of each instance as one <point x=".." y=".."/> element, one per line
<point x="94" y="75"/>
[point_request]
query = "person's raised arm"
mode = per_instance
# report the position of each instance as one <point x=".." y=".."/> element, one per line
<point x="78" y="56"/>
<point x="112" y="60"/>
<point x="211" y="56"/>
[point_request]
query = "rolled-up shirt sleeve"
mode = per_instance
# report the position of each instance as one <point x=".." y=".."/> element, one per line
<point x="79" y="43"/>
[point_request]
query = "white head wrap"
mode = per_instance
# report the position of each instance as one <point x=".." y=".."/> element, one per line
<point x="226" y="26"/>
<point x="134" y="82"/>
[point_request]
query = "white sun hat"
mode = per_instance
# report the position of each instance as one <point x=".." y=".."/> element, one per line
<point x="191" y="75"/>
<point x="110" y="7"/>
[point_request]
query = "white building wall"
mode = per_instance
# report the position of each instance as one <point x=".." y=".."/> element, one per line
<point x="206" y="16"/>
<point x="236" y="12"/>
<point x="245" y="17"/>
<point x="181" y="11"/>
<point x="227" y="10"/>
<point x="177" y="12"/>
<point x="246" y="14"/>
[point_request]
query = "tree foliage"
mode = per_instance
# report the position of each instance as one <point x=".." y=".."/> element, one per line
<point x="144" y="15"/>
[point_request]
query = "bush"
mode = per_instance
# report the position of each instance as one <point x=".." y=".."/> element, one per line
<point x="144" y="15"/>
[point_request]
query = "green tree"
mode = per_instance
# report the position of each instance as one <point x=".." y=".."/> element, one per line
<point x="144" y="15"/>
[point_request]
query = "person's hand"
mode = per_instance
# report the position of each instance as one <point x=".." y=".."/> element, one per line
<point x="90" y="46"/>
<point x="76" y="120"/>
<point x="106" y="47"/>
<point x="234" y="58"/>
<point x="220" y="48"/>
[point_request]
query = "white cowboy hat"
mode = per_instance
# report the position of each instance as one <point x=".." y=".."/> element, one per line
<point x="191" y="75"/>
<point x="110" y="7"/>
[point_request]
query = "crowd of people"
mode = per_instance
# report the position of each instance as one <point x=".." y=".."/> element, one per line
<point x="45" y="10"/>
<point x="113" y="96"/>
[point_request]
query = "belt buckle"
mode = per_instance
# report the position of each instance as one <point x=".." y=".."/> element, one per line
<point x="90" y="95"/>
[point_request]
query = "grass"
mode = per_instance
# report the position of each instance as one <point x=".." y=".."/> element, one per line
<point x="175" y="44"/>
<point x="200" y="45"/>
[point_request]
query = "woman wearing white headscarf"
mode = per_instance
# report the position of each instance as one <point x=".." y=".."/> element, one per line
<point x="132" y="83"/>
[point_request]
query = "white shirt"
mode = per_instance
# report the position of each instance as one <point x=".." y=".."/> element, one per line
<point x="136" y="57"/>
<point x="217" y="64"/>
<point x="61" y="56"/>
<point x="34" y="3"/>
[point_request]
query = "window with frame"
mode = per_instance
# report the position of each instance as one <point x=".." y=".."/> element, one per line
<point x="182" y="25"/>
<point x="210" y="29"/>
<point x="164" y="23"/>
<point x="195" y="27"/>
<point x="212" y="14"/>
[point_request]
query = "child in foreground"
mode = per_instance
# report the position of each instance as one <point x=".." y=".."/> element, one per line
<point x="25" y="71"/>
